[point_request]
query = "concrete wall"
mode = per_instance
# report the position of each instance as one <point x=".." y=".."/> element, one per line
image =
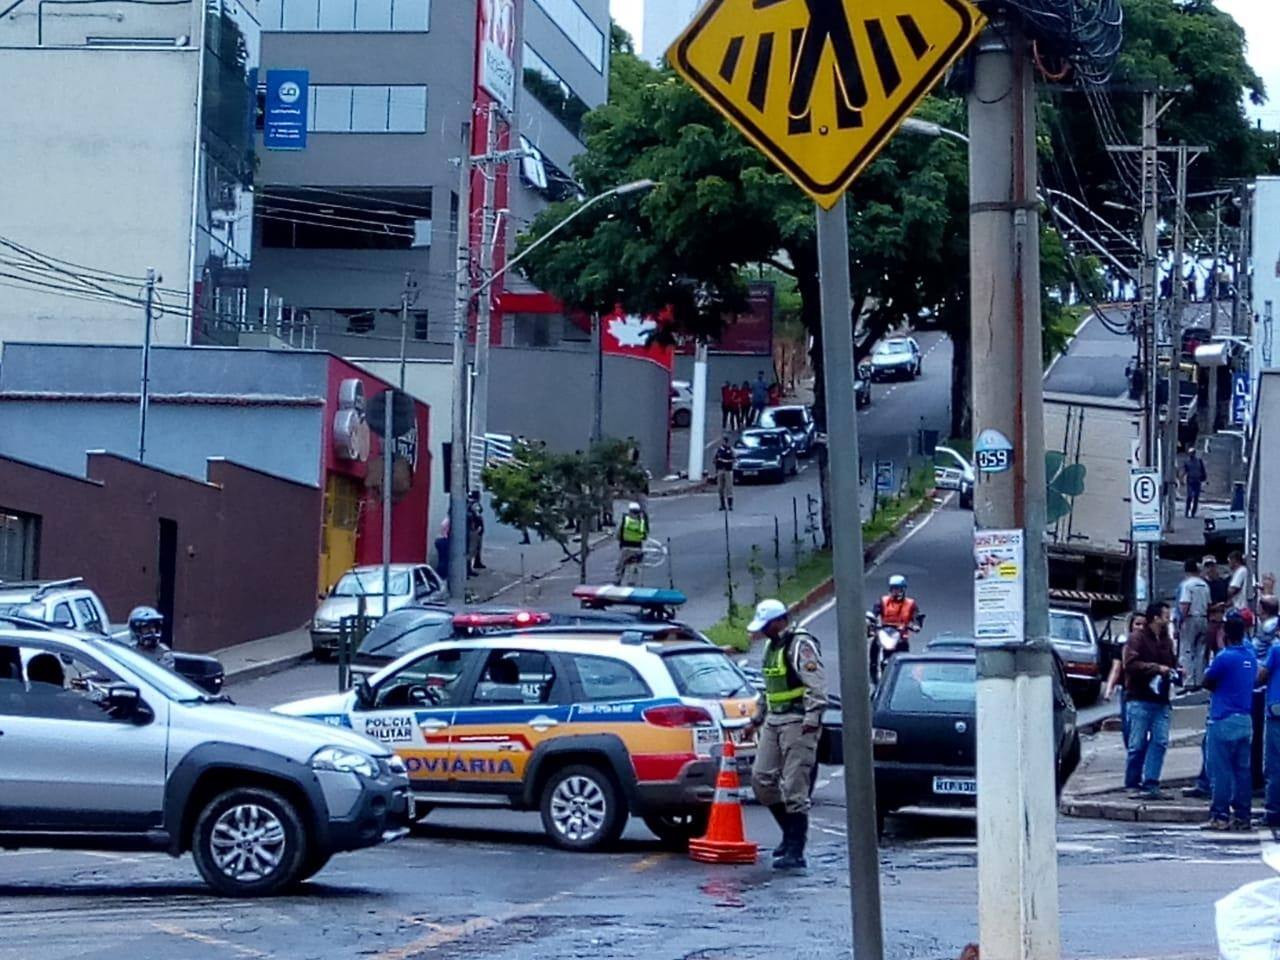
<point x="1264" y="480"/>
<point x="246" y="552"/>
<point x="428" y="381"/>
<point x="548" y="395"/>
<point x="263" y="408"/>
<point x="97" y="152"/>
<point x="1265" y="282"/>
<point x="724" y="367"/>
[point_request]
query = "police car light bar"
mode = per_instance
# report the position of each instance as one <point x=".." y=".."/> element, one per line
<point x="522" y="618"/>
<point x="610" y="596"/>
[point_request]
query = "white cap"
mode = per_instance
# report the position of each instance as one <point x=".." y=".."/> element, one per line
<point x="766" y="612"/>
<point x="633" y="507"/>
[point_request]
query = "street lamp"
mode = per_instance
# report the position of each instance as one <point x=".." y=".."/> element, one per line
<point x="622" y="190"/>
<point x="927" y="128"/>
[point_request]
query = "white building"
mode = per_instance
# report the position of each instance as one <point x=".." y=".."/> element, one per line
<point x="663" y="21"/>
<point x="125" y="143"/>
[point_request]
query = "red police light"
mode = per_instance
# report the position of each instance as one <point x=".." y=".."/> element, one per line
<point x="496" y="621"/>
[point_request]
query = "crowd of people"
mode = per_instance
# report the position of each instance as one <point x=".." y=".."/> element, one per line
<point x="741" y="406"/>
<point x="1220" y="635"/>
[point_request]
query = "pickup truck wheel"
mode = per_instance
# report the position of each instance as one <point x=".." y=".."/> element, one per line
<point x="250" y="842"/>
<point x="677" y="829"/>
<point x="581" y="808"/>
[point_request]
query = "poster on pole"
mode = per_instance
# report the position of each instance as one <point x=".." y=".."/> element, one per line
<point x="998" y="582"/>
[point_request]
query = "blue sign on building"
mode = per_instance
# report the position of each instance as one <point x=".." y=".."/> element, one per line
<point x="1239" y="397"/>
<point x="284" y="125"/>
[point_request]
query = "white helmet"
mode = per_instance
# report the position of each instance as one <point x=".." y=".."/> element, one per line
<point x="633" y="507"/>
<point x="897" y="582"/>
<point x="766" y="612"/>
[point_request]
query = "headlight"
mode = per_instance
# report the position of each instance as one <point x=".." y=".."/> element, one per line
<point x="396" y="765"/>
<point x="343" y="761"/>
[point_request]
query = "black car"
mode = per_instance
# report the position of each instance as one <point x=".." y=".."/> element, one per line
<point x="765" y="454"/>
<point x="797" y="420"/>
<point x="924" y="737"/>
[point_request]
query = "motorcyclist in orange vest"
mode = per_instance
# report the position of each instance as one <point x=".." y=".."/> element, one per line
<point x="896" y="609"/>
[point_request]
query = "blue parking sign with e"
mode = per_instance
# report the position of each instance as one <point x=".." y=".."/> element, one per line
<point x="284" y="123"/>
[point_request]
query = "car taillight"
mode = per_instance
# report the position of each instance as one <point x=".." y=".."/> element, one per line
<point x="678" y="715"/>
<point x="884" y="738"/>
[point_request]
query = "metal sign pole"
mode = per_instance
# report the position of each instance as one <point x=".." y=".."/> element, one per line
<point x="388" y="447"/>
<point x="846" y="524"/>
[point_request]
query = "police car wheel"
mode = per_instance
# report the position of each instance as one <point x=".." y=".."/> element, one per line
<point x="677" y="829"/>
<point x="581" y="809"/>
<point x="250" y="842"/>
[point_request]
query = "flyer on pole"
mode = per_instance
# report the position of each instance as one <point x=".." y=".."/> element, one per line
<point x="998" y="573"/>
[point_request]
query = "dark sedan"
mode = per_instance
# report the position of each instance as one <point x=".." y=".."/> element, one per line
<point x="765" y="454"/>
<point x="924" y="737"/>
<point x="797" y="420"/>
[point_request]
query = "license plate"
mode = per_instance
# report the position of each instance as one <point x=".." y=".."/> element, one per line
<point x="704" y="738"/>
<point x="962" y="786"/>
<point x="748" y="471"/>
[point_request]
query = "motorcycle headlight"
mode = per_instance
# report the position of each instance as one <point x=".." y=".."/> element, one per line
<point x="343" y="761"/>
<point x="889" y="640"/>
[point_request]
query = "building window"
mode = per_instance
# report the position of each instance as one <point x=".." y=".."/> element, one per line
<point x="578" y="27"/>
<point x="19" y="545"/>
<point x="344" y="108"/>
<point x="421" y="325"/>
<point x="317" y="218"/>
<point x="547" y="87"/>
<point x="346" y="16"/>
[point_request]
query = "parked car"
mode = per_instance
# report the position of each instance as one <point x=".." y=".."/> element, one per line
<point x="797" y="420"/>
<point x="1076" y="641"/>
<point x="70" y="605"/>
<point x="409" y="583"/>
<point x="765" y="453"/>
<point x="106" y="750"/>
<point x="924" y="737"/>
<point x="1224" y="528"/>
<point x="897" y="358"/>
<point x="586" y="727"/>
<point x="951" y="471"/>
<point x="681" y="403"/>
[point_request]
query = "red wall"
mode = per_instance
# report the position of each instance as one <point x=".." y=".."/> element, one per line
<point x="409" y="515"/>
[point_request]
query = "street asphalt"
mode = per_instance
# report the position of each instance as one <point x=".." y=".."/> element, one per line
<point x="1096" y="361"/>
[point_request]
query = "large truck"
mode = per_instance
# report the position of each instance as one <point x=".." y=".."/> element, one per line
<point x="1091" y="443"/>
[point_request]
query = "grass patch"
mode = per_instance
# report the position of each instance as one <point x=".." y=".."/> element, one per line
<point x="815" y="569"/>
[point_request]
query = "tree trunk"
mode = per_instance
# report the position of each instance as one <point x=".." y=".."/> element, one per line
<point x="961" y="410"/>
<point x="806" y="264"/>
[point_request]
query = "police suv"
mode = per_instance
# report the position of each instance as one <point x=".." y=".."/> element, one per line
<point x="588" y="725"/>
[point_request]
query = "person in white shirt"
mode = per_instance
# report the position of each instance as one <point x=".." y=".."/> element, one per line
<point x="1238" y="587"/>
<point x="1192" y="617"/>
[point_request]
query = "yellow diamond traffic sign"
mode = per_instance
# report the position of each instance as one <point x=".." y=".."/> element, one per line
<point x="821" y="85"/>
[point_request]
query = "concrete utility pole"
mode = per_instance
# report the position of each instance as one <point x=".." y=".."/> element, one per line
<point x="698" y="415"/>
<point x="1178" y="288"/>
<point x="404" y="324"/>
<point x="846" y="522"/>
<point x="1241" y="304"/>
<point x="1217" y="265"/>
<point x="489" y="170"/>
<point x="144" y="385"/>
<point x="597" y="377"/>
<point x="1145" y="555"/>
<point x="1017" y="814"/>
<point x="458" y="439"/>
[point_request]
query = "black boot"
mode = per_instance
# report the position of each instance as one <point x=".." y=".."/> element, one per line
<point x="793" y="859"/>
<point x="779" y="811"/>
<point x="731" y="503"/>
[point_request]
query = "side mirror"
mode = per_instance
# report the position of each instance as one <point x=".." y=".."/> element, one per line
<point x="364" y="693"/>
<point x="125" y="702"/>
<point x="871" y="616"/>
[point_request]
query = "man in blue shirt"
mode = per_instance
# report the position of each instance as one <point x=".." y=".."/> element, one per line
<point x="1270" y="674"/>
<point x="1229" y="737"/>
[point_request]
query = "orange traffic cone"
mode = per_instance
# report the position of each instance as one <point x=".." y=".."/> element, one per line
<point x="725" y="841"/>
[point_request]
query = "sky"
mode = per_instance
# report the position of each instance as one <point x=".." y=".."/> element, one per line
<point x="1256" y="16"/>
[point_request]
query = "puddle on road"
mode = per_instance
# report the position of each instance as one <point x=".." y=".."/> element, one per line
<point x="726" y="893"/>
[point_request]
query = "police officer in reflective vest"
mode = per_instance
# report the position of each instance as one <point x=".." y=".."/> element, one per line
<point x="632" y="533"/>
<point x="795" y="696"/>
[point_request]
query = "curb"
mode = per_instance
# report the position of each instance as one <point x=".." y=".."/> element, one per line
<point x="870" y="554"/>
<point x="1130" y="812"/>
<point x="684" y="487"/>
<point x="265" y="668"/>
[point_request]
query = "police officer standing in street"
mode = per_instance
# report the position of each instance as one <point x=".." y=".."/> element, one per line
<point x="725" y="461"/>
<point x="795" y="696"/>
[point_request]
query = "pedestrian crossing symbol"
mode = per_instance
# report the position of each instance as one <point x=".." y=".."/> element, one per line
<point x="821" y="85"/>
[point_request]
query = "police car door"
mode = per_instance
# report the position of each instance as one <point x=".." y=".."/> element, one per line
<point x="413" y="708"/>
<point x="519" y="700"/>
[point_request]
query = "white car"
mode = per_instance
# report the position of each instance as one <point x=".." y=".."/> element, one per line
<point x="681" y="403"/>
<point x="63" y="603"/>
<point x="896" y="358"/>
<point x="410" y="583"/>
<point x="951" y="471"/>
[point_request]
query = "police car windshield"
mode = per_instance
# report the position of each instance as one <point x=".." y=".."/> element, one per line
<point x="707" y="674"/>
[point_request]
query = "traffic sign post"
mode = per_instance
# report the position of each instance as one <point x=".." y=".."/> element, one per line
<point x="1144" y="505"/>
<point x="794" y="77"/>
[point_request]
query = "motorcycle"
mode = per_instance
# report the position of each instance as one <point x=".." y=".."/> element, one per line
<point x="884" y="640"/>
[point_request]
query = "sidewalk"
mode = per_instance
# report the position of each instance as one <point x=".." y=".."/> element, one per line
<point x="1096" y="790"/>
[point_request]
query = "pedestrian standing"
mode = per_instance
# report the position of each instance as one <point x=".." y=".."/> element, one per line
<point x="725" y="460"/>
<point x="1195" y="473"/>
<point x="1150" y="668"/>
<point x="1217" y="599"/>
<point x="1270" y="675"/>
<point x="1115" y="680"/>
<point x="632" y="533"/>
<point x="1192" y="617"/>
<point x="1229" y="735"/>
<point x="759" y="397"/>
<point x="1238" y="585"/>
<point x="726" y="406"/>
<point x="775" y="394"/>
<point x="475" y="533"/>
<point x="1268" y="626"/>
<point x="795" y="698"/>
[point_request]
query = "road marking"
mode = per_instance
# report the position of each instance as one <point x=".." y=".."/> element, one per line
<point x="442" y="935"/>
<point x="176" y="931"/>
<point x="649" y="862"/>
<point x="893" y="548"/>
